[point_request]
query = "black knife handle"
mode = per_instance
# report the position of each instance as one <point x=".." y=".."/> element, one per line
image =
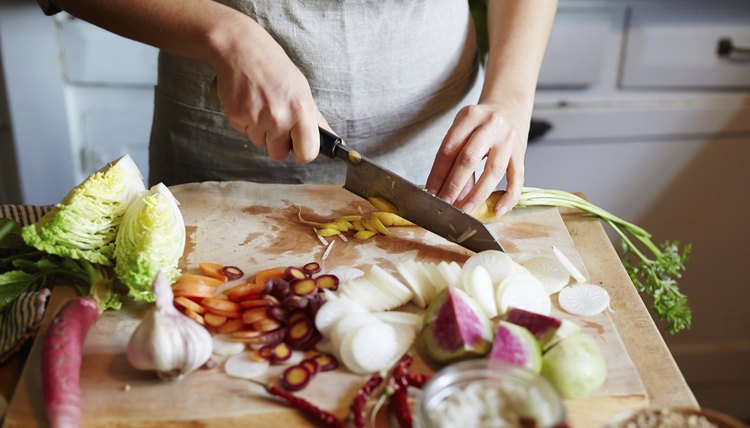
<point x="331" y="145"/>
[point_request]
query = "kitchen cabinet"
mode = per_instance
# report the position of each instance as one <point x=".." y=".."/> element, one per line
<point x="660" y="135"/>
<point x="649" y="119"/>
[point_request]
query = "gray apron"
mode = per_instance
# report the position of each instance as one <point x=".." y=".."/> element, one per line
<point x="388" y="75"/>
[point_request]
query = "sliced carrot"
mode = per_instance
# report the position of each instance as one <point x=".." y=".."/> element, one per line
<point x="264" y="275"/>
<point x="245" y="334"/>
<point x="246" y="291"/>
<point x="195" y="317"/>
<point x="214" y="270"/>
<point x="214" y="320"/>
<point x="252" y="316"/>
<point x="254" y="303"/>
<point x="221" y="297"/>
<point x="192" y="290"/>
<point x="200" y="279"/>
<point x="266" y="325"/>
<point x="189" y="304"/>
<point x="214" y="304"/>
<point x="231" y="326"/>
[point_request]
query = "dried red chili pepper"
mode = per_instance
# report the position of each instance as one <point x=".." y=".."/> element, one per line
<point x="417" y="380"/>
<point x="358" y="406"/>
<point x="325" y="418"/>
<point x="400" y="404"/>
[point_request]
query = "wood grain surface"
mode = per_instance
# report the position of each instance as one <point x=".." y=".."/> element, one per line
<point x="255" y="227"/>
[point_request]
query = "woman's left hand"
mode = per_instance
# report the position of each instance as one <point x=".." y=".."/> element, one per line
<point x="479" y="131"/>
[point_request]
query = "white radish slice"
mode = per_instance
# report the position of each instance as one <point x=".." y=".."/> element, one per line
<point x="370" y="348"/>
<point x="332" y="311"/>
<point x="584" y="299"/>
<point x="498" y="264"/>
<point x="387" y="283"/>
<point x="243" y="366"/>
<point x="225" y="347"/>
<point x="345" y="273"/>
<point x="439" y="283"/>
<point x="478" y="284"/>
<point x="574" y="272"/>
<point x="457" y="272"/>
<point x="360" y="290"/>
<point x="405" y="338"/>
<point x="399" y="319"/>
<point x="381" y="297"/>
<point x="347" y="323"/>
<point x="423" y="274"/>
<point x="549" y="271"/>
<point x="407" y="272"/>
<point x="452" y="278"/>
<point x="523" y="292"/>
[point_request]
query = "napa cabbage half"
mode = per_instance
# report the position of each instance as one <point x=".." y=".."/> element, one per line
<point x="151" y="238"/>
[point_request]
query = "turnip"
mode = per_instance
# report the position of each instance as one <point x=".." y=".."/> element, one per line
<point x="575" y="366"/>
<point x="61" y="361"/>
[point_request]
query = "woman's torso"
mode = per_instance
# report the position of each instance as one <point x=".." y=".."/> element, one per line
<point x="388" y="76"/>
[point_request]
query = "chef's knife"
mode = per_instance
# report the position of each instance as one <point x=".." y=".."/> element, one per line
<point x="366" y="179"/>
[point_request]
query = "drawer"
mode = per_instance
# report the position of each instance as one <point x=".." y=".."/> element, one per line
<point x="94" y="56"/>
<point x="577" y="47"/>
<point x="678" y="47"/>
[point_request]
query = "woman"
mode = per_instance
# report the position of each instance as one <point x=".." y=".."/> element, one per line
<point x="391" y="77"/>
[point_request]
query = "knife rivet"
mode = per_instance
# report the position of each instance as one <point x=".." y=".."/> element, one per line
<point x="355" y="157"/>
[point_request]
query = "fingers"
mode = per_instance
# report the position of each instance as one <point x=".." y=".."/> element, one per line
<point x="478" y="132"/>
<point x="461" y="129"/>
<point x="515" y="185"/>
<point x="494" y="170"/>
<point x="305" y="139"/>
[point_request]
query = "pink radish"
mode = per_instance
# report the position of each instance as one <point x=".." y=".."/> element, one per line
<point x="61" y="361"/>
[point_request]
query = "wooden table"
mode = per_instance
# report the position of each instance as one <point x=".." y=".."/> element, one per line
<point x="664" y="384"/>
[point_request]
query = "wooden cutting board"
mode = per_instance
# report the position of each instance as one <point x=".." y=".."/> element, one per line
<point x="255" y="226"/>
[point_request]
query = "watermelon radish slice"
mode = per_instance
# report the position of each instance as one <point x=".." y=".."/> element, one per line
<point x="516" y="345"/>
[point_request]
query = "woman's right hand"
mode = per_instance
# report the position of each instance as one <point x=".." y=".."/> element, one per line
<point x="265" y="96"/>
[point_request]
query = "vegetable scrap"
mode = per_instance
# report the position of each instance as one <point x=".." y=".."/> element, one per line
<point x="362" y="227"/>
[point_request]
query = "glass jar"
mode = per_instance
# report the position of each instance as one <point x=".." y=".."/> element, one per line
<point x="479" y="393"/>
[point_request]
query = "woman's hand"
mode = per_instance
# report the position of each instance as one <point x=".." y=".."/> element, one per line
<point x="479" y="131"/>
<point x="265" y="96"/>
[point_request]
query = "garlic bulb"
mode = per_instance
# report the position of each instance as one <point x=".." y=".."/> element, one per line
<point x="166" y="340"/>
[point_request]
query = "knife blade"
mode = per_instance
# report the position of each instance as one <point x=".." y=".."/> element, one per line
<point x="367" y="179"/>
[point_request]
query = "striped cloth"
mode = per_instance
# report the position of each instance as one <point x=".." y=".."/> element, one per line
<point x="20" y="320"/>
<point x="24" y="214"/>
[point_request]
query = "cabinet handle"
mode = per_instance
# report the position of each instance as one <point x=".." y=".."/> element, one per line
<point x="726" y="48"/>
<point x="538" y="129"/>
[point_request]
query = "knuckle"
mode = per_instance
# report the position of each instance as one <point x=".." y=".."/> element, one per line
<point x="469" y="158"/>
<point x="453" y="187"/>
